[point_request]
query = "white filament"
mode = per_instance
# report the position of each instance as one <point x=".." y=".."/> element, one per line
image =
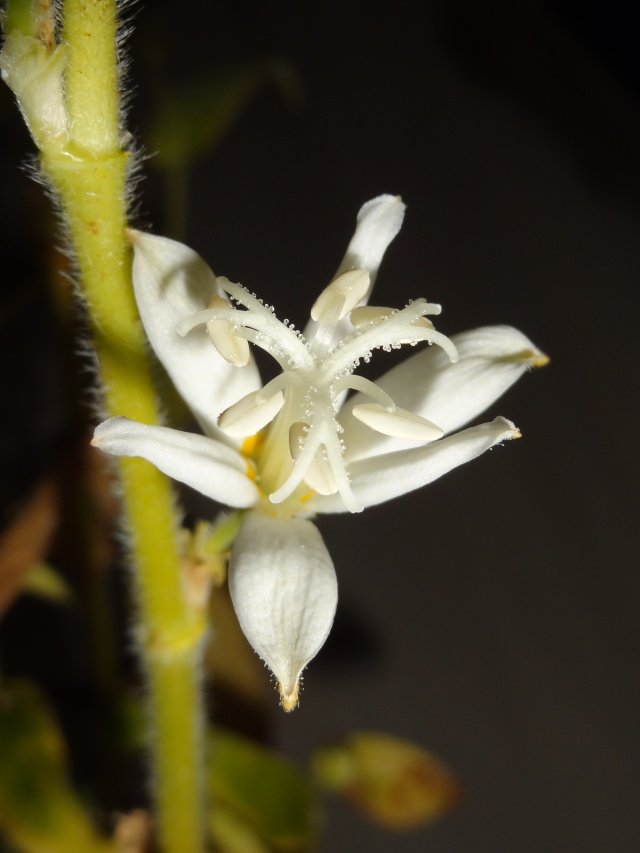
<point x="314" y="376"/>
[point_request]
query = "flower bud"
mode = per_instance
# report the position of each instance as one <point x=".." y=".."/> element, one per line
<point x="32" y="65"/>
<point x="284" y="591"/>
<point x="395" y="782"/>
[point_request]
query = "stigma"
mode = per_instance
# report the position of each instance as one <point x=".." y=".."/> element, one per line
<point x="302" y="446"/>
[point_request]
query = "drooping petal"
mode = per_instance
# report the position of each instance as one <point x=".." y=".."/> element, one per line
<point x="450" y="395"/>
<point x="172" y="283"/>
<point x="207" y="465"/>
<point x="378" y="222"/>
<point x="284" y="590"/>
<point x="381" y="478"/>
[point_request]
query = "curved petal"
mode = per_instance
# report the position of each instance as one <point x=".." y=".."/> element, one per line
<point x="203" y="463"/>
<point x="172" y="283"/>
<point x="450" y="395"/>
<point x="378" y="222"/>
<point x="382" y="478"/>
<point x="284" y="590"/>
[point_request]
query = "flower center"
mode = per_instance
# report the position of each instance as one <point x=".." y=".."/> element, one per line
<point x="303" y="446"/>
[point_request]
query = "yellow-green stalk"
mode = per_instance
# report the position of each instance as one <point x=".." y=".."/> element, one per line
<point x="76" y="125"/>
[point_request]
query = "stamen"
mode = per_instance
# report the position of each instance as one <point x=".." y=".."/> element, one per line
<point x="232" y="348"/>
<point x="344" y="292"/>
<point x="335" y="458"/>
<point x="318" y="475"/>
<point x="281" y="382"/>
<point x="365" y="386"/>
<point x="401" y="327"/>
<point x="251" y="413"/>
<point x="275" y="335"/>
<point x="370" y="315"/>
<point x="307" y="452"/>
<point x="398" y="423"/>
<point x="321" y="434"/>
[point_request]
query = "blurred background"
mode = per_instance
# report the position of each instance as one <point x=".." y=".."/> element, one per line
<point x="493" y="616"/>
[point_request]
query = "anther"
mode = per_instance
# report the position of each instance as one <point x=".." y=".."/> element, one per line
<point x="231" y="346"/>
<point x="251" y="413"/>
<point x="341" y="296"/>
<point x="397" y="422"/>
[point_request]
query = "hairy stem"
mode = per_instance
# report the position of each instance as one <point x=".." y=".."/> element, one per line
<point x="89" y="172"/>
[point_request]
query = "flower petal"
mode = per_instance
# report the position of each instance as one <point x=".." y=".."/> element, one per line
<point x="203" y="463"/>
<point x="285" y="594"/>
<point x="172" y="283"/>
<point x="381" y="478"/>
<point x="378" y="222"/>
<point x="450" y="395"/>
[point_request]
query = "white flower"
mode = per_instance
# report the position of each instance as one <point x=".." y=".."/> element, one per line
<point x="299" y="446"/>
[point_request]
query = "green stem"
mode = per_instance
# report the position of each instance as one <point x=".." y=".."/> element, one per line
<point x="89" y="171"/>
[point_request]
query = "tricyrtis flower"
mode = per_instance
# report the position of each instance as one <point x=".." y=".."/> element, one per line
<point x="300" y="445"/>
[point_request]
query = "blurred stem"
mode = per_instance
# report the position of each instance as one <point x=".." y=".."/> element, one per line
<point x="89" y="172"/>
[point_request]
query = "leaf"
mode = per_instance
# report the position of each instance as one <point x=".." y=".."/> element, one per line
<point x="26" y="541"/>
<point x="232" y="835"/>
<point x="395" y="782"/>
<point x="43" y="580"/>
<point x="39" y="811"/>
<point x="230" y="659"/>
<point x="263" y="790"/>
<point x="194" y="118"/>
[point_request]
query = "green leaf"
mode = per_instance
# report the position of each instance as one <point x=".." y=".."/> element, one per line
<point x="44" y="580"/>
<point x="19" y="17"/>
<point x="267" y="792"/>
<point x="192" y="119"/>
<point x="231" y="834"/>
<point x="39" y="811"/>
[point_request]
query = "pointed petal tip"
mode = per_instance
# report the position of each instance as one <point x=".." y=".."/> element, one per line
<point x="387" y="205"/>
<point x="532" y="356"/>
<point x="510" y="432"/>
<point x="105" y="429"/>
<point x="539" y="359"/>
<point x="384" y="199"/>
<point x="289" y="696"/>
<point x="284" y="591"/>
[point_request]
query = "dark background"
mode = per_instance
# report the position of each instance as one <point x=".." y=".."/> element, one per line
<point x="492" y="617"/>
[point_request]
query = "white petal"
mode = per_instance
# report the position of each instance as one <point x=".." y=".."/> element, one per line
<point x="378" y="222"/>
<point x="490" y="360"/>
<point x="382" y="478"/>
<point x="203" y="463"/>
<point x="172" y="283"/>
<point x="285" y="594"/>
